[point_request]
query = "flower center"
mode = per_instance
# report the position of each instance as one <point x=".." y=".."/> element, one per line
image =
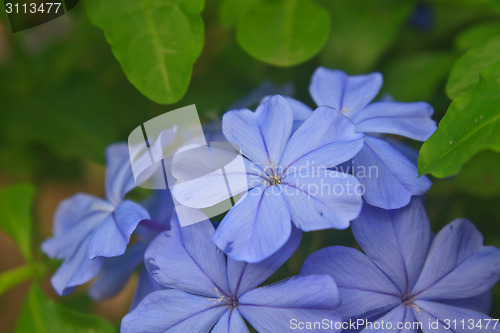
<point x="233" y="302"/>
<point x="408" y="300"/>
<point x="273" y="181"/>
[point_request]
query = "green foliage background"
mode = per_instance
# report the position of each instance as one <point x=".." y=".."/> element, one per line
<point x="72" y="86"/>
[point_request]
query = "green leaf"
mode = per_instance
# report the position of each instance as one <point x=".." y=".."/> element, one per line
<point x="362" y="31"/>
<point x="42" y="315"/>
<point x="284" y="32"/>
<point x="417" y="77"/>
<point x="478" y="34"/>
<point x="155" y="41"/>
<point x="15" y="216"/>
<point x="20" y="275"/>
<point x="471" y="124"/>
<point x="465" y="73"/>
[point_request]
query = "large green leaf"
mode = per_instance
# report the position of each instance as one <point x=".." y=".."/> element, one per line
<point x="284" y="32"/>
<point x="42" y="315"/>
<point x="155" y="41"/>
<point x="471" y="124"/>
<point x="15" y="216"/>
<point x="478" y="34"/>
<point x="465" y="72"/>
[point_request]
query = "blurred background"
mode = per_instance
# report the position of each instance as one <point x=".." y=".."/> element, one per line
<point x="64" y="98"/>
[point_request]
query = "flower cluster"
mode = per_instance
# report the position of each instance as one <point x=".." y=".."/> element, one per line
<point x="332" y="167"/>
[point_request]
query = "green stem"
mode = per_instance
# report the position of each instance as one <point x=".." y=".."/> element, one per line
<point x="19" y="275"/>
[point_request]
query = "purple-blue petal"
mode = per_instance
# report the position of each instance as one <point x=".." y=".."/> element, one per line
<point x="231" y="321"/>
<point x="76" y="270"/>
<point x="348" y="94"/>
<point x="322" y="199"/>
<point x="173" y="311"/>
<point x="409" y="152"/>
<point x="389" y="178"/>
<point x="263" y="134"/>
<point x="396" y="240"/>
<point x="393" y="322"/>
<point x="186" y="258"/>
<point x="300" y="112"/>
<point x="458" y="265"/>
<point x="481" y="303"/>
<point x="111" y="237"/>
<point x="256" y="227"/>
<point x="70" y="211"/>
<point x="450" y="319"/>
<point x="305" y="299"/>
<point x="412" y="120"/>
<point x="64" y="245"/>
<point x="325" y="139"/>
<point x="119" y="176"/>
<point x="243" y="276"/>
<point x="364" y="289"/>
<point x="145" y="286"/>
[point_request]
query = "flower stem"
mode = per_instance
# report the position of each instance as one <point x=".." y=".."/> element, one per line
<point x="19" y="275"/>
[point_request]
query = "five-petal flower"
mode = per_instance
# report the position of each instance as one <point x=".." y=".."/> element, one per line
<point x="395" y="179"/>
<point x="288" y="179"/>
<point x="209" y="292"/>
<point x="406" y="276"/>
<point x="88" y="229"/>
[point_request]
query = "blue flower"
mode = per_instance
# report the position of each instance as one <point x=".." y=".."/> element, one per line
<point x="88" y="229"/>
<point x="406" y="275"/>
<point x="287" y="178"/>
<point x="209" y="292"/>
<point x="388" y="177"/>
<point x="422" y="17"/>
<point x="116" y="271"/>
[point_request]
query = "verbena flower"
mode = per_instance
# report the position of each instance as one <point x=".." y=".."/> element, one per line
<point x="406" y="275"/>
<point x="287" y="178"/>
<point x="210" y="292"/>
<point x="88" y="229"/>
<point x="389" y="178"/>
